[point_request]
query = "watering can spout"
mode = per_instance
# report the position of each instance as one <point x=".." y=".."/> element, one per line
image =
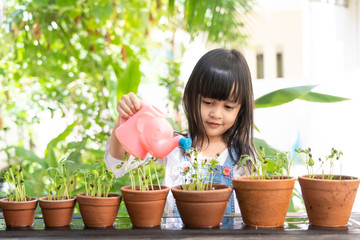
<point x="162" y="148"/>
<point x="185" y="143"/>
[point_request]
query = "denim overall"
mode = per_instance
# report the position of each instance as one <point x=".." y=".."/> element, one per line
<point x="220" y="177"/>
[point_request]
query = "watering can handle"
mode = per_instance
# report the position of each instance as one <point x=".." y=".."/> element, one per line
<point x="122" y="120"/>
<point x="154" y="109"/>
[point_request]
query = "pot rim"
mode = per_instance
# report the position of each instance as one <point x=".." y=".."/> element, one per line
<point x="111" y="195"/>
<point x="44" y="199"/>
<point x="127" y="188"/>
<point x="226" y="187"/>
<point x="246" y="179"/>
<point x="32" y="199"/>
<point x="306" y="178"/>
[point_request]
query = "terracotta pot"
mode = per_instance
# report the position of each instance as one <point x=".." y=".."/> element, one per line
<point x="99" y="211"/>
<point x="145" y="208"/>
<point x="329" y="202"/>
<point x="19" y="214"/>
<point x="57" y="213"/>
<point x="264" y="203"/>
<point x="202" y="208"/>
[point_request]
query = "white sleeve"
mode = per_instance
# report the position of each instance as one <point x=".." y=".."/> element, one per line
<point x="124" y="166"/>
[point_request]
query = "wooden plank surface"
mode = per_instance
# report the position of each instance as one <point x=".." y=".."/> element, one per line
<point x="296" y="227"/>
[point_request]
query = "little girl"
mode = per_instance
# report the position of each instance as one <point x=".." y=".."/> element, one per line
<point x="218" y="103"/>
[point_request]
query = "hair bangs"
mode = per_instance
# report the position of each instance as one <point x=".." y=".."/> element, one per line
<point x="219" y="84"/>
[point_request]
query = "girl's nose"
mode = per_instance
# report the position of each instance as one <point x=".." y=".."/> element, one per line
<point x="215" y="112"/>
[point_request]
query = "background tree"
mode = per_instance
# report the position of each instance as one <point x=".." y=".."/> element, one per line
<point x="75" y="59"/>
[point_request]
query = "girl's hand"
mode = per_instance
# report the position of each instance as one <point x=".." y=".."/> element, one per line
<point x="128" y="105"/>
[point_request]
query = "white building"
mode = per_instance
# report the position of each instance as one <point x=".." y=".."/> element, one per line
<point x="308" y="42"/>
<point x="304" y="39"/>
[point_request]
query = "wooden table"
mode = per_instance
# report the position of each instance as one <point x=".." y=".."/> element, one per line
<point x="296" y="227"/>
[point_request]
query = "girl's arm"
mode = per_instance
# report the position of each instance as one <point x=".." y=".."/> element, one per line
<point x="127" y="106"/>
<point x="115" y="148"/>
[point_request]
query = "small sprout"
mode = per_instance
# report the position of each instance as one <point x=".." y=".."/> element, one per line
<point x="199" y="173"/>
<point x="334" y="155"/>
<point x="15" y="180"/>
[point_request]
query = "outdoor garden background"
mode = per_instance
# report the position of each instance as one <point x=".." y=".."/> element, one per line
<point x="64" y="64"/>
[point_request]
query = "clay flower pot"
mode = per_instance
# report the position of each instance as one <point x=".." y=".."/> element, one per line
<point x="57" y="213"/>
<point x="329" y="202"/>
<point x="264" y="203"/>
<point x="145" y="208"/>
<point x="19" y="214"/>
<point x="202" y="208"/>
<point x="99" y="211"/>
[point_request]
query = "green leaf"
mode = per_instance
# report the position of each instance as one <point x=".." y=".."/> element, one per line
<point x="97" y="152"/>
<point x="324" y="98"/>
<point x="50" y="157"/>
<point x="75" y="158"/>
<point x="40" y="3"/>
<point x="292" y="207"/>
<point x="271" y="167"/>
<point x="129" y="80"/>
<point x="269" y="150"/>
<point x="111" y="84"/>
<point x="282" y="96"/>
<point x="29" y="155"/>
<point x="171" y="6"/>
<point x="65" y="3"/>
<point x="103" y="11"/>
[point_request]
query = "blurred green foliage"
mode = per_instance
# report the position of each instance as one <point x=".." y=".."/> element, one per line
<point x="74" y="59"/>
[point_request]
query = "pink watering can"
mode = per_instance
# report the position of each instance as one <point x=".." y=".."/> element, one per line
<point x="148" y="131"/>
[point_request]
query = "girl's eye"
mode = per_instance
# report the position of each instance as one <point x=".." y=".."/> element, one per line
<point x="229" y="107"/>
<point x="206" y="102"/>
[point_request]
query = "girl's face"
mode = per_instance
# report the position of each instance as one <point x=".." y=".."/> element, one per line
<point x="218" y="116"/>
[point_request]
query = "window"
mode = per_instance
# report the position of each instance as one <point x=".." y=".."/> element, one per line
<point x="260" y="66"/>
<point x="279" y="65"/>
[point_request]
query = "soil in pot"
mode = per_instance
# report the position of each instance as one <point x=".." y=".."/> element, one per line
<point x="329" y="202"/>
<point x="264" y="203"/>
<point x="202" y="209"/>
<point x="145" y="208"/>
<point x="57" y="213"/>
<point x="19" y="214"/>
<point x="99" y="212"/>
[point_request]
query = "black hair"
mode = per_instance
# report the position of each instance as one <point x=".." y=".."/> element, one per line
<point x="222" y="74"/>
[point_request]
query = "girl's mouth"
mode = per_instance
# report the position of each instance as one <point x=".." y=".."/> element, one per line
<point x="213" y="125"/>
